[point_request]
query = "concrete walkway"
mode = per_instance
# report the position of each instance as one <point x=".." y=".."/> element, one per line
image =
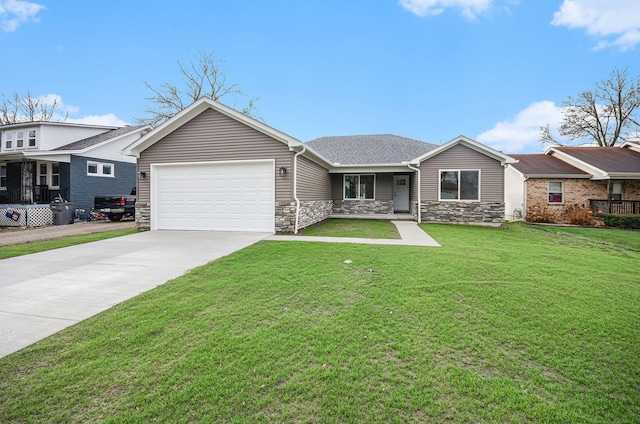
<point x="43" y="293"/>
<point x="410" y="233"/>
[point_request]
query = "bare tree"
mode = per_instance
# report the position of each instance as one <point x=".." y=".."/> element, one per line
<point x="27" y="108"/>
<point x="202" y="77"/>
<point x="606" y="115"/>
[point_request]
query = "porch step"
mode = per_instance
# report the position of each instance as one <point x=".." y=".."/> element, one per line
<point x="379" y="216"/>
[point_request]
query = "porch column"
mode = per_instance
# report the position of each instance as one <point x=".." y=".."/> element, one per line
<point x="26" y="182"/>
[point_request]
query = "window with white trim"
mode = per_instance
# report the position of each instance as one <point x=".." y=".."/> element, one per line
<point x="32" y="138"/>
<point x="3" y="177"/>
<point x="616" y="191"/>
<point x="8" y="141"/>
<point x="42" y="174"/>
<point x="359" y="186"/>
<point x="19" y="139"/>
<point x="458" y="184"/>
<point x="556" y="192"/>
<point x="55" y="175"/>
<point x="100" y="169"/>
<point x="49" y="174"/>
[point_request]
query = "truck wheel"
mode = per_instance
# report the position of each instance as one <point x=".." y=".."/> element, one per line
<point x="115" y="217"/>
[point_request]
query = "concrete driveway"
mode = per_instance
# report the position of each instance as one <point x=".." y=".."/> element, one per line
<point x="43" y="293"/>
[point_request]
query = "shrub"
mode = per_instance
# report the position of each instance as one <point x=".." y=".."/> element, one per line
<point x="579" y="215"/>
<point x="539" y="215"/>
<point x="622" y="221"/>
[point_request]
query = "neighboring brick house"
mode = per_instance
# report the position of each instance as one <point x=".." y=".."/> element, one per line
<point x="212" y="168"/>
<point x="602" y="179"/>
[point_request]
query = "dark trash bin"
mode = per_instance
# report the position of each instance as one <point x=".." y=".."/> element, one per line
<point x="62" y="213"/>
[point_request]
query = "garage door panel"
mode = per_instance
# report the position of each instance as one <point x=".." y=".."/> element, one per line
<point x="214" y="196"/>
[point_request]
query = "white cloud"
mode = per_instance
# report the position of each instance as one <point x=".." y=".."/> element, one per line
<point x="615" y="22"/>
<point x="13" y="13"/>
<point x="521" y="133"/>
<point x="108" y="119"/>
<point x="67" y="113"/>
<point x="469" y="8"/>
<point x="61" y="109"/>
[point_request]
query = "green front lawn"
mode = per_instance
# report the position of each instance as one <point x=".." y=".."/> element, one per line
<point x="359" y="228"/>
<point x="498" y="325"/>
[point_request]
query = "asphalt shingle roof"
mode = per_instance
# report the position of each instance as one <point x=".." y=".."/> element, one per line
<point x="539" y="164"/>
<point x="608" y="159"/>
<point x="97" y="139"/>
<point x="373" y="149"/>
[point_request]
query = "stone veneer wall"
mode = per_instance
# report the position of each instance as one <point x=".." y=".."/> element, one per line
<point x="363" y="206"/>
<point x="143" y="216"/>
<point x="314" y="211"/>
<point x="285" y="217"/>
<point x="413" y="208"/>
<point x="311" y="212"/>
<point x="463" y="212"/>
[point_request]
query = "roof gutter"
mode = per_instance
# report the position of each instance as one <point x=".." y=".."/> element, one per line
<point x="419" y="199"/>
<point x="295" y="186"/>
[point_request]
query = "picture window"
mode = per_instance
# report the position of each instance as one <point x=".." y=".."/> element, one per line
<point x="359" y="186"/>
<point x="460" y="185"/>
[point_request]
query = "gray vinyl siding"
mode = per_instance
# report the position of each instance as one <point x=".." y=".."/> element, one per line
<point x="413" y="192"/>
<point x="462" y="157"/>
<point x="337" y="188"/>
<point x="313" y="181"/>
<point x="212" y="136"/>
<point x="384" y="187"/>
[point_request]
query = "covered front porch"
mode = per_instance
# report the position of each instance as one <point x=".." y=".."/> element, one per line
<point x="30" y="181"/>
<point x="618" y="207"/>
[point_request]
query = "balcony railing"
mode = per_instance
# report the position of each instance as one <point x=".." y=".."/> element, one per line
<point x="15" y="196"/>
<point x="620" y="207"/>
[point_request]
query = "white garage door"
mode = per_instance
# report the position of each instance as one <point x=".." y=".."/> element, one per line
<point x="228" y="196"/>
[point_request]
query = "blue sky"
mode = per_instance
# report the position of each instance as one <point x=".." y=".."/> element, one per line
<point x="493" y="70"/>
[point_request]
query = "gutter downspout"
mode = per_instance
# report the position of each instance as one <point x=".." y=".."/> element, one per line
<point x="295" y="186"/>
<point x="419" y="199"/>
<point x="524" y="201"/>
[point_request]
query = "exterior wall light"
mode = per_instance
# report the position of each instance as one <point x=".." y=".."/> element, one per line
<point x="142" y="175"/>
<point x="283" y="172"/>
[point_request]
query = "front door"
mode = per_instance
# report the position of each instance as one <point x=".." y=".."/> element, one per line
<point x="401" y="193"/>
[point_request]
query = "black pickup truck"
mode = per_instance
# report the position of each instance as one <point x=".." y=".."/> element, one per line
<point x="116" y="206"/>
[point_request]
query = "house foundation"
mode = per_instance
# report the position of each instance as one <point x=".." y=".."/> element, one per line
<point x="463" y="212"/>
<point x="362" y="207"/>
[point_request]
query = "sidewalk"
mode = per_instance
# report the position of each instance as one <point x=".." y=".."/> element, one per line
<point x="410" y="233"/>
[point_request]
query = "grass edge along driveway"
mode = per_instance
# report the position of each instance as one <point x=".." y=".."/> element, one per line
<point x="21" y="249"/>
<point x="499" y="325"/>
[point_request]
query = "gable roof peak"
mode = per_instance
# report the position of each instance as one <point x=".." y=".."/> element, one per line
<point x="470" y="143"/>
<point x="195" y="109"/>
